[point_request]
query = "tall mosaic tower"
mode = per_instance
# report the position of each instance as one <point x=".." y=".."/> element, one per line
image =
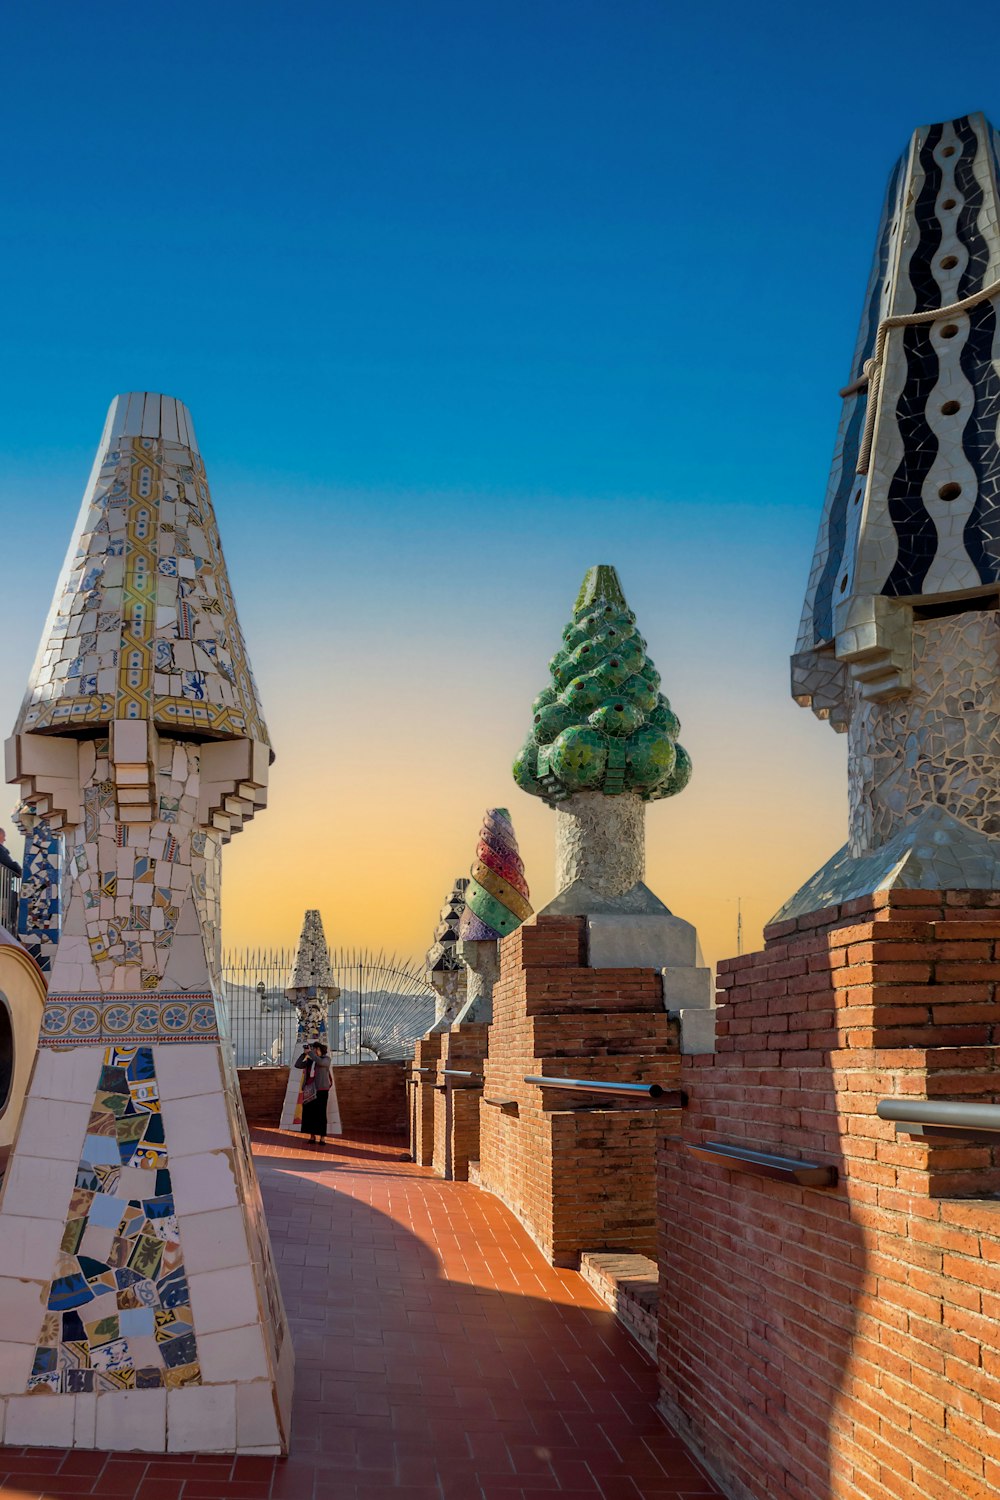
<point x="141" y="1305"/>
<point x="900" y="634"/>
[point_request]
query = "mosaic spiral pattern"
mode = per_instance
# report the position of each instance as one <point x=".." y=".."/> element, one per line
<point x="497" y="894"/>
<point x="118" y="1312"/>
<point x="602" y="725"/>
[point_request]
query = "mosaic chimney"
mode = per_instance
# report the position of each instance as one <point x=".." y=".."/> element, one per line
<point x="314" y="995"/>
<point x="134" y="1261"/>
<point x="445" y="969"/>
<point x="900" y="634"/>
<point x="496" y="903"/>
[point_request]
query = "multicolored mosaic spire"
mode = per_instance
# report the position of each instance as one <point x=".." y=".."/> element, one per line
<point x="496" y="898"/>
<point x="143" y="624"/>
<point x="141" y="746"/>
<point x="496" y="904"/>
<point x="900" y="632"/>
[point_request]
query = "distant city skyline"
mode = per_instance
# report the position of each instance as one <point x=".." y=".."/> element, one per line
<point x="464" y="300"/>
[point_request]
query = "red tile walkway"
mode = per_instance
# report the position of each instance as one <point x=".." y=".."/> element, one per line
<point x="437" y="1358"/>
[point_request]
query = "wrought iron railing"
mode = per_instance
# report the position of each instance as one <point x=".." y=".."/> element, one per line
<point x="10" y="887"/>
<point x="385" y="1005"/>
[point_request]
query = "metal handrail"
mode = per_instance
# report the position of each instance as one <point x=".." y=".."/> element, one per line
<point x="944" y="1116"/>
<point x="675" y="1097"/>
<point x="476" y="1079"/>
<point x="422" y="1070"/>
<point x="765" y="1164"/>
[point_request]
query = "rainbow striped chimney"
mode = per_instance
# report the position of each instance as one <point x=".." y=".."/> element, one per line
<point x="496" y="904"/>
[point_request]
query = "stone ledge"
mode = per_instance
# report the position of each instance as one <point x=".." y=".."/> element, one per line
<point x="630" y="1285"/>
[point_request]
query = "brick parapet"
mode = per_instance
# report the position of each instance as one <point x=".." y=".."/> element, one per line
<point x="421" y="1101"/>
<point x="263" y="1091"/>
<point x="577" y="1170"/>
<point x="456" y="1103"/>
<point x="842" y="1342"/>
<point x="629" y="1284"/>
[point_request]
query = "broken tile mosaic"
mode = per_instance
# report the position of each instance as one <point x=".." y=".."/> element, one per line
<point x="118" y="1308"/>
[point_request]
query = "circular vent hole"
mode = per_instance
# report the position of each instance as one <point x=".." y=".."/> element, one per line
<point x="949" y="491"/>
<point x="948" y="151"/>
<point x="949" y="262"/>
<point x="949" y="330"/>
<point x="843" y="583"/>
<point x="948" y="203"/>
<point x="950" y="408"/>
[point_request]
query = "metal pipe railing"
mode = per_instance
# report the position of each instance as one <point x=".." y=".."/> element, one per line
<point x="765" y="1164"/>
<point x="473" y="1080"/>
<point x="422" y="1070"/>
<point x="670" y="1098"/>
<point x="944" y="1116"/>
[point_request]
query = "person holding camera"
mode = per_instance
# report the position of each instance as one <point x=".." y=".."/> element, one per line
<point x="316" y="1084"/>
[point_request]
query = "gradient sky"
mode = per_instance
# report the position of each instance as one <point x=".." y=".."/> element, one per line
<point x="465" y="297"/>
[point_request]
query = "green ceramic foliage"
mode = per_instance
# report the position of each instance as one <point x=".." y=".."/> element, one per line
<point x="602" y="725"/>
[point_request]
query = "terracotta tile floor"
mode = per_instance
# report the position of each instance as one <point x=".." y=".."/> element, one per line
<point x="438" y="1358"/>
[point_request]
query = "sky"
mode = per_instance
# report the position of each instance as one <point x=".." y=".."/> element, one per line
<point x="465" y="298"/>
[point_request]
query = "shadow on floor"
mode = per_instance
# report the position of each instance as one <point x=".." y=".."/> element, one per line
<point x="438" y="1357"/>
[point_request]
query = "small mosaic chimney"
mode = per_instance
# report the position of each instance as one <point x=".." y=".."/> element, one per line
<point x="496" y="904"/>
<point x="313" y="993"/>
<point x="445" y="969"/>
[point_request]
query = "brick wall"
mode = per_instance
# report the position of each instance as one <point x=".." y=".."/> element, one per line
<point x="456" y="1109"/>
<point x="578" y="1175"/>
<point x="263" y="1091"/>
<point x="842" y="1342"/>
<point x="629" y="1284"/>
<point x="421" y="1100"/>
<point x="372" y="1097"/>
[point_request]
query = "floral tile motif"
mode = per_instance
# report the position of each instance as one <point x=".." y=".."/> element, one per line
<point x="118" y="1308"/>
<point x="129" y="1020"/>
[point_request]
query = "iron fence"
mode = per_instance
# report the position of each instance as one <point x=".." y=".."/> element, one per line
<point x="10" y="887"/>
<point x="385" y="1005"/>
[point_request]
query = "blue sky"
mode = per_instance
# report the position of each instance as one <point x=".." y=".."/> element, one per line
<point x="465" y="297"/>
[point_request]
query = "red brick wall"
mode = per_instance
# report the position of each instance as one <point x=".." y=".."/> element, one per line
<point x="456" y="1109"/>
<point x="578" y="1179"/>
<point x="630" y="1286"/>
<point x="421" y="1101"/>
<point x="263" y="1091"/>
<point x="842" y="1343"/>
<point x="372" y="1097"/>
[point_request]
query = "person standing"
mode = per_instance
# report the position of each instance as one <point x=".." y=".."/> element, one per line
<point x="316" y="1084"/>
<point x="5" y="858"/>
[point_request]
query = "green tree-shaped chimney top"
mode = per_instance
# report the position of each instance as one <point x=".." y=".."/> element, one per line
<point x="602" y="725"/>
